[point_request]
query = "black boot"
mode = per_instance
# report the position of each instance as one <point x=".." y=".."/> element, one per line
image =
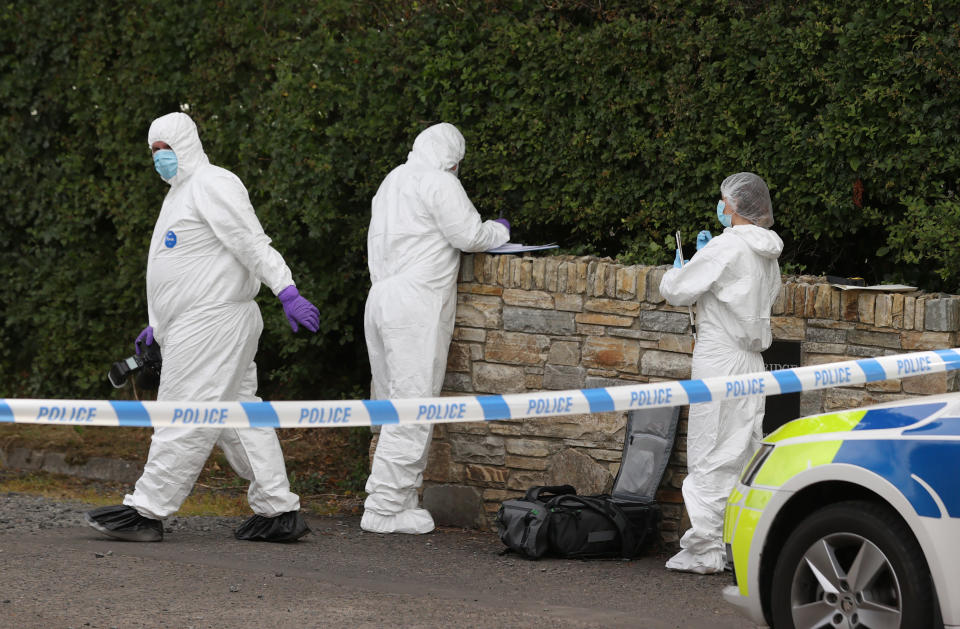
<point x="286" y="527"/>
<point x="123" y="522"/>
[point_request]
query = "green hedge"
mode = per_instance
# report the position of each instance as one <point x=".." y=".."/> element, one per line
<point x="602" y="126"/>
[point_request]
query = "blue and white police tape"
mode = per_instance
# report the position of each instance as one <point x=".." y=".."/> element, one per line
<point x="470" y="408"/>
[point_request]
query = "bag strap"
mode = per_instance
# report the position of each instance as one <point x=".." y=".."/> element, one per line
<point x="614" y="513"/>
<point x="534" y="493"/>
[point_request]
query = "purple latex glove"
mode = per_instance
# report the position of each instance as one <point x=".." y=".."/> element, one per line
<point x="503" y="222"/>
<point x="146" y="335"/>
<point x="298" y="309"/>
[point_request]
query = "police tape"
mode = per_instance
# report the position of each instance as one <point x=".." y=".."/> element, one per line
<point x="474" y="408"/>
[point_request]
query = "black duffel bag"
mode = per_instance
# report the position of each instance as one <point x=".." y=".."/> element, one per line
<point x="555" y="521"/>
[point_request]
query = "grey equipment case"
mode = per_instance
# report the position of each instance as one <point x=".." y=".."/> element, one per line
<point x="554" y="520"/>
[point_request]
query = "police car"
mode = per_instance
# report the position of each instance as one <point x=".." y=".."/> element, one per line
<point x="851" y="519"/>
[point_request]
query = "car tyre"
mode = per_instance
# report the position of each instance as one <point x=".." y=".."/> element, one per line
<point x="852" y="564"/>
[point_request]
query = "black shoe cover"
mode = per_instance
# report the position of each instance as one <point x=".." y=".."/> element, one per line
<point x="123" y="522"/>
<point x="286" y="527"/>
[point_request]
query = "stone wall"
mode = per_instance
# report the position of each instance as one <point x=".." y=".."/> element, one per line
<point x="561" y="322"/>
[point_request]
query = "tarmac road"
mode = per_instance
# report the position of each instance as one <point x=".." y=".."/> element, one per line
<point x="55" y="572"/>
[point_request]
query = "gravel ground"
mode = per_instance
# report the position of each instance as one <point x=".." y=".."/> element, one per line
<point x="27" y="513"/>
<point x="58" y="572"/>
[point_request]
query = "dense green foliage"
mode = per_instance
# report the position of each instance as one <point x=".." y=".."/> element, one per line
<point x="604" y="126"/>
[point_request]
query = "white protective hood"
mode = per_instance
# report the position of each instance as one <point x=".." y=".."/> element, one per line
<point x="179" y="131"/>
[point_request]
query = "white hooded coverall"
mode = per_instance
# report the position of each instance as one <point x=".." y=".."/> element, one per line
<point x="734" y="280"/>
<point x="208" y="256"/>
<point x="421" y="219"/>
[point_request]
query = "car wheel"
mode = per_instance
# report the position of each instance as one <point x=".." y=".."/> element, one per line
<point x="851" y="565"/>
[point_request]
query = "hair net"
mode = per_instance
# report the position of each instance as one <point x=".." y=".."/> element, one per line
<point x="750" y="198"/>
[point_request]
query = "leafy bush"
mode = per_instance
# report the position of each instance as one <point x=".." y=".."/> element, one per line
<point x="603" y="126"/>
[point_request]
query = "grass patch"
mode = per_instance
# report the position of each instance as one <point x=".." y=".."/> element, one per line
<point x="57" y="487"/>
<point x="98" y="494"/>
<point x="79" y="443"/>
<point x="327" y="468"/>
<point x="204" y="500"/>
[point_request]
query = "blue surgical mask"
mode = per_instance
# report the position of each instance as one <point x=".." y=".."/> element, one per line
<point x="165" y="161"/>
<point x="723" y="218"/>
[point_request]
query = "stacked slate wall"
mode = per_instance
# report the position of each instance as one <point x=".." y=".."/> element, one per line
<point x="561" y="322"/>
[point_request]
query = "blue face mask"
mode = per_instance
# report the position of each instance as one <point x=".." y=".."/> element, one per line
<point x="165" y="161"/>
<point x="723" y="218"/>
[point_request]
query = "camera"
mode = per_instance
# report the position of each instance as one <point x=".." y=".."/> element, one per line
<point x="146" y="366"/>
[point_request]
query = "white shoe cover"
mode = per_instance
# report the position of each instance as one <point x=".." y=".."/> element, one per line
<point x="411" y="521"/>
<point x="711" y="562"/>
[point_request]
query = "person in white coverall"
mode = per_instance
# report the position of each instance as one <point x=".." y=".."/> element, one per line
<point x="734" y="280"/>
<point x="207" y="259"/>
<point x="421" y="219"/>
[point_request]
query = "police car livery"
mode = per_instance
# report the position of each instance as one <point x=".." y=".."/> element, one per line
<point x="851" y="519"/>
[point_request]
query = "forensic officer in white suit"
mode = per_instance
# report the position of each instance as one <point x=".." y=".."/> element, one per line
<point x="207" y="260"/>
<point x="421" y="219"/>
<point x="734" y="280"/>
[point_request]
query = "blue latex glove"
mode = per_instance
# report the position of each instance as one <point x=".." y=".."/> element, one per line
<point x="503" y="222"/>
<point x="146" y="336"/>
<point x="703" y="238"/>
<point x="679" y="261"/>
<point x="298" y="309"/>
